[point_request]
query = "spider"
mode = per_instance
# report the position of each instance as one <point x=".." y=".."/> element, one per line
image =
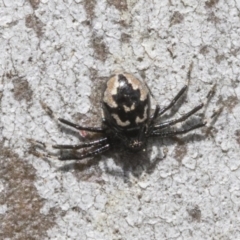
<point x="126" y="118"/>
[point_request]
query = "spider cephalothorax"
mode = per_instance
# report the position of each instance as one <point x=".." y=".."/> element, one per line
<point x="126" y="118"/>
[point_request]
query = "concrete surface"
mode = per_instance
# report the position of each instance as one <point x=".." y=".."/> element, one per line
<point x="61" y="53"/>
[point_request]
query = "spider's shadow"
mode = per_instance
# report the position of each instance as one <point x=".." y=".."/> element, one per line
<point x="140" y="162"/>
<point x="131" y="163"/>
<point x="126" y="163"/>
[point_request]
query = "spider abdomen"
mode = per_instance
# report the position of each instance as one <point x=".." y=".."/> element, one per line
<point x="126" y="102"/>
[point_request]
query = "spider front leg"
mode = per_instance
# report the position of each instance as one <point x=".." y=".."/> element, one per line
<point x="158" y="112"/>
<point x="177" y="132"/>
<point x="207" y="122"/>
<point x="181" y="119"/>
<point x="171" y="104"/>
<point x="180" y="93"/>
<point x="187" y="115"/>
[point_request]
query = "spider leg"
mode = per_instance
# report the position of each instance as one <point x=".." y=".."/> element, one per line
<point x="180" y="93"/>
<point x="181" y="119"/>
<point x="95" y="152"/>
<point x="39" y="144"/>
<point x="177" y="132"/>
<point x="43" y="155"/>
<point x="79" y="146"/>
<point x="44" y="146"/>
<point x="214" y="116"/>
<point x="159" y="112"/>
<point x="207" y="122"/>
<point x="152" y="119"/>
<point x="155" y="114"/>
<point x="78" y="127"/>
<point x="187" y="115"/>
<point x="48" y="154"/>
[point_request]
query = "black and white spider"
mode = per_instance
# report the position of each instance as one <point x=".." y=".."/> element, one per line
<point x="127" y="119"/>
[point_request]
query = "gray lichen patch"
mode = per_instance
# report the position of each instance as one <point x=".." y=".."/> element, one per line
<point x="219" y="58"/>
<point x="121" y="5"/>
<point x="96" y="96"/>
<point x="195" y="213"/>
<point x="34" y="3"/>
<point x="204" y="50"/>
<point x="176" y="18"/>
<point x="237" y="134"/>
<point x="100" y="48"/>
<point x="89" y="6"/>
<point x="180" y="151"/>
<point x="22" y="90"/>
<point x="213" y="18"/>
<point x="22" y="218"/>
<point x="125" y="38"/>
<point x="35" y="23"/>
<point x="211" y="3"/>
<point x="230" y="102"/>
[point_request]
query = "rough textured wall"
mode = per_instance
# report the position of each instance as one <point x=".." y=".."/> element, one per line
<point x="61" y="53"/>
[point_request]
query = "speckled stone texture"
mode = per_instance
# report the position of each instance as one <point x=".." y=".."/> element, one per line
<point x="61" y="53"/>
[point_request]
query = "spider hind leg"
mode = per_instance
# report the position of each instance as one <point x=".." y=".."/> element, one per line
<point x="90" y="149"/>
<point x="83" y="145"/>
<point x="84" y="155"/>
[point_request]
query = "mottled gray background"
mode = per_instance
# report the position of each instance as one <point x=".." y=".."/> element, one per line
<point x="61" y="53"/>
